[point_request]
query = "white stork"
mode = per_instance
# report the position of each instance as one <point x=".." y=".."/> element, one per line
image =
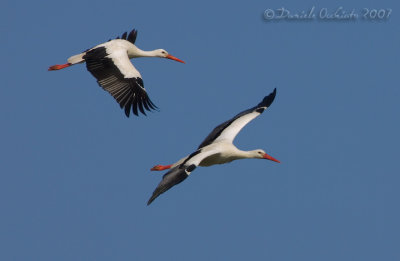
<point x="217" y="148"/>
<point x="109" y="63"/>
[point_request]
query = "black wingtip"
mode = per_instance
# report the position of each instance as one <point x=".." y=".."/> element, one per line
<point x="143" y="105"/>
<point x="267" y="101"/>
<point x="171" y="178"/>
<point x="132" y="36"/>
<point x="157" y="192"/>
<point x="127" y="112"/>
<point x="151" y="200"/>
<point x="270" y="98"/>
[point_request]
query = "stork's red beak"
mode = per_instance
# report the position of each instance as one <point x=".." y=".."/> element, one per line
<point x="174" y="58"/>
<point x="268" y="157"/>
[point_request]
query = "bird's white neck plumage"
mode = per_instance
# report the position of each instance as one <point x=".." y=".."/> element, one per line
<point x="231" y="150"/>
<point x="136" y="53"/>
<point x="152" y="53"/>
<point x="242" y="154"/>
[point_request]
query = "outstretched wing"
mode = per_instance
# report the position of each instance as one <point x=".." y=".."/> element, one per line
<point x="117" y="75"/>
<point x="179" y="173"/>
<point x="228" y="130"/>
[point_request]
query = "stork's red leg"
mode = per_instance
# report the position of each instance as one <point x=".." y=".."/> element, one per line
<point x="59" y="66"/>
<point x="161" y="167"/>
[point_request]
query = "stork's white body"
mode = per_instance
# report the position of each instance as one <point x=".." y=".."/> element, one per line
<point x="114" y="46"/>
<point x="217" y="148"/>
<point x="224" y="152"/>
<point x="218" y="153"/>
<point x="110" y="64"/>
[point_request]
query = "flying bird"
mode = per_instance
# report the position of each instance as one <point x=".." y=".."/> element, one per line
<point x="217" y="148"/>
<point x="109" y="63"/>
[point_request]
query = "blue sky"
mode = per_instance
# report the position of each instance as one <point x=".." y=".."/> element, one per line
<point x="75" y="173"/>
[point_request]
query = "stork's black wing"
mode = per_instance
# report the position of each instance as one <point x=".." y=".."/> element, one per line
<point x="229" y="129"/>
<point x="117" y="75"/>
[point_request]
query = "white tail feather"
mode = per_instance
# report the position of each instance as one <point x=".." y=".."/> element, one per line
<point x="76" y="59"/>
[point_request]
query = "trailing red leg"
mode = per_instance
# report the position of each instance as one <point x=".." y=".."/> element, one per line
<point x="161" y="167"/>
<point x="59" y="66"/>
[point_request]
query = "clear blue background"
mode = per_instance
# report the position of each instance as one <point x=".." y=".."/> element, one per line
<point x="75" y="173"/>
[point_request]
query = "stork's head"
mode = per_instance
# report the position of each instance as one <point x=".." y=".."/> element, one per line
<point x="164" y="54"/>
<point x="260" y="154"/>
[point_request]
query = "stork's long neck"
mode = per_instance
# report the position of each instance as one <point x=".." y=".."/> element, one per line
<point x="135" y="53"/>
<point x="251" y="154"/>
<point x="242" y="154"/>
